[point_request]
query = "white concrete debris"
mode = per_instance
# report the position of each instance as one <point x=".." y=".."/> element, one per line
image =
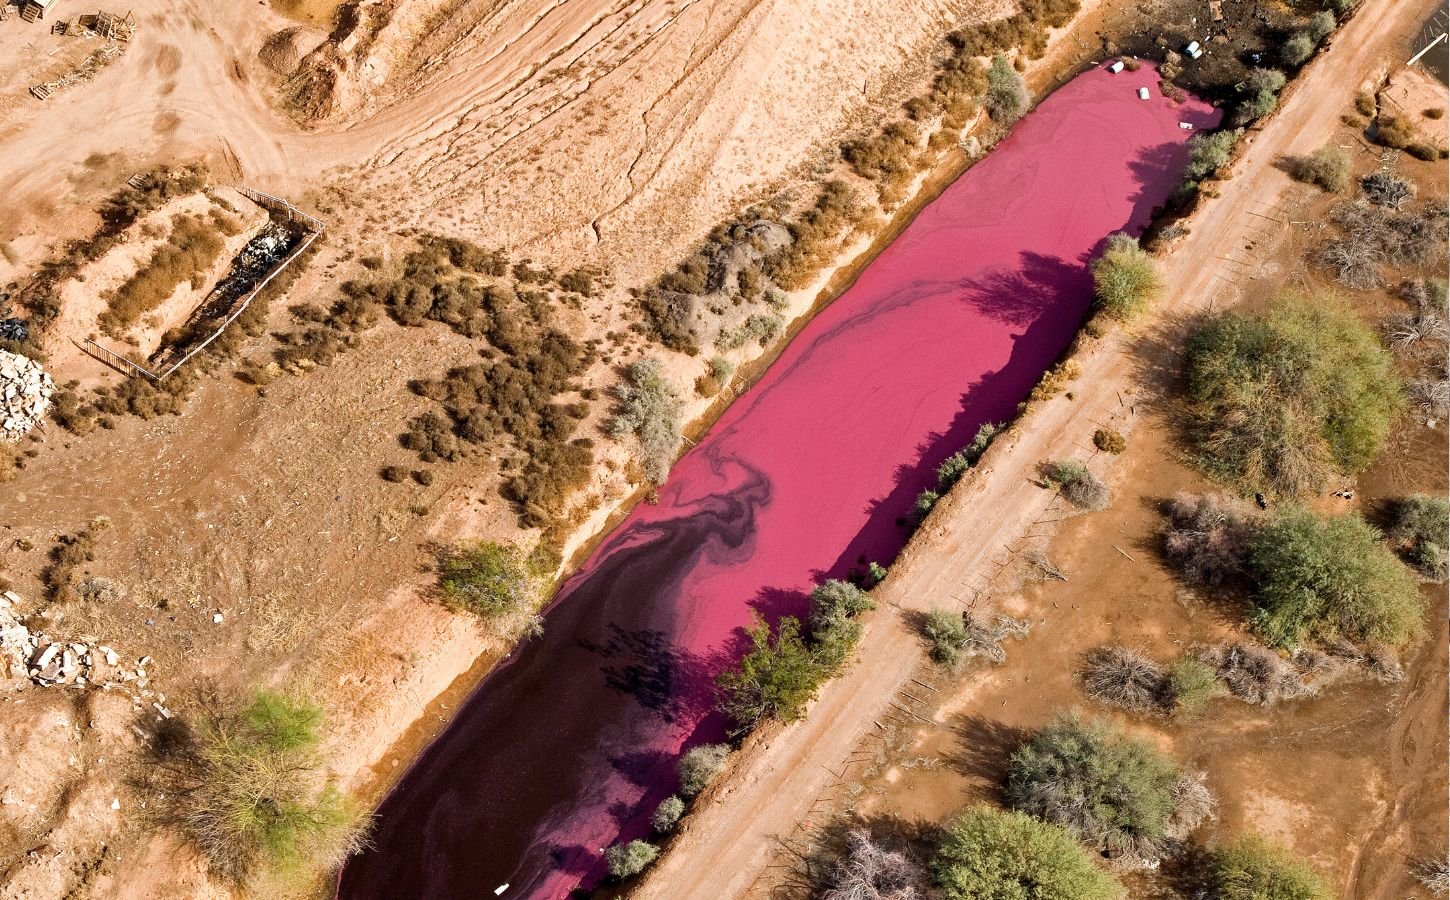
<point x="25" y="392"/>
<point x="47" y="661"/>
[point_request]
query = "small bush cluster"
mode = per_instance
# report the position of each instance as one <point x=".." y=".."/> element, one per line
<point x="1383" y="188"/>
<point x="486" y="578"/>
<point x="958" y="637"/>
<point x="991" y="853"/>
<point x="762" y="328"/>
<point x="1208" y="152"/>
<point x="1284" y="399"/>
<point x="1260" y="92"/>
<point x="1419" y="524"/>
<point x="1055" y="380"/>
<point x="955" y="466"/>
<point x="887" y="156"/>
<point x="1327" y="167"/>
<point x="629" y="859"/>
<point x="1126" y="678"/>
<point x="649" y="410"/>
<point x="782" y="672"/>
<point x="1082" y="488"/>
<point x="699" y="766"/>
<point x="1125" y="278"/>
<point x="1115" y="793"/>
<point x="667" y="814"/>
<point x="249" y="792"/>
<point x="1302" y="43"/>
<point x="1372" y="235"/>
<point x="1398" y="132"/>
<point x="68" y="560"/>
<point x="815" y="236"/>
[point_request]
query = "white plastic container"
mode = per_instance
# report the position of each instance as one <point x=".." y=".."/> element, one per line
<point x="1142" y="93"/>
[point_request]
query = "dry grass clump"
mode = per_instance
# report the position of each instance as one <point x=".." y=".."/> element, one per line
<point x="1377" y="233"/>
<point x="1207" y="537"/>
<point x="191" y="248"/>
<point x="248" y="791"/>
<point x="1055" y="380"/>
<point x="1109" y="441"/>
<point x="1398" y="132"/>
<point x="888" y="156"/>
<point x="1119" y="676"/>
<point x="817" y="234"/>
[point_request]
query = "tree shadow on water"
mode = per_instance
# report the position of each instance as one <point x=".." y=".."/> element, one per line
<point x="1017" y="295"/>
<point x="664" y="678"/>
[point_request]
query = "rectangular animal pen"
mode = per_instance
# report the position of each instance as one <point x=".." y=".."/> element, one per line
<point x="222" y="303"/>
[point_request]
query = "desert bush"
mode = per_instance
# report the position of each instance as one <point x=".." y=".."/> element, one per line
<point x="1055" y="380"/>
<point x="952" y="645"/>
<point x="1370" y="236"/>
<point x="667" y="814"/>
<point x="1297" y="49"/>
<point x="1208" y="152"/>
<point x="1082" y="488"/>
<point x="1251" y="868"/>
<point x="1125" y="278"/>
<point x="1191" y="684"/>
<point x="1384" y="188"/>
<point x="886" y="155"/>
<point x="1113" y="792"/>
<point x="955" y="466"/>
<point x="1109" y="441"/>
<point x="1006" y="98"/>
<point x="68" y="559"/>
<point x="1253" y="673"/>
<point x="1119" y="676"/>
<point x="947" y="632"/>
<point x="1327" y="578"/>
<point x="699" y="766"/>
<point x="249" y="792"/>
<point x="650" y="411"/>
<point x="1418" y="529"/>
<point x="1283" y="399"/>
<point x="988" y="853"/>
<point x="1411" y="332"/>
<point x="1397" y="132"/>
<point x="1327" y="167"/>
<point x="759" y="327"/>
<point x="1261" y="94"/>
<point x="1207" y="537"/>
<point x="191" y="247"/>
<point x="486" y="578"/>
<point x="394" y="474"/>
<point x="834" y="604"/>
<point x="815" y="235"/>
<point x="1321" y="25"/>
<point x="866" y="870"/>
<point x="628" y="860"/>
<point x="776" y="679"/>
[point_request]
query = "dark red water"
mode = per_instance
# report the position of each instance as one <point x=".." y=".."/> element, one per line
<point x="568" y="746"/>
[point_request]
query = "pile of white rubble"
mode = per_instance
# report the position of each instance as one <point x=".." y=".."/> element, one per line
<point x="25" y="392"/>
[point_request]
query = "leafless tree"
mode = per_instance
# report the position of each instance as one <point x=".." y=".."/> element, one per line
<point x="868" y="871"/>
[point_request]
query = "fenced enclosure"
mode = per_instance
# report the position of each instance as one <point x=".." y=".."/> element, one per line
<point x="287" y="236"/>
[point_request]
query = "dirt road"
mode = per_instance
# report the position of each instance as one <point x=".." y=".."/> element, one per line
<point x="729" y="843"/>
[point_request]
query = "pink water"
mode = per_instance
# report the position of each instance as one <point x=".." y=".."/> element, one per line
<point x="568" y="747"/>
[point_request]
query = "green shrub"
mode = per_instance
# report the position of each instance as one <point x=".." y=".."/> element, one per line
<point x="1125" y="278"/>
<point x="650" y="410"/>
<point x="1251" y="868"/>
<point x="667" y="814"/>
<point x="699" y="766"/>
<point x="1327" y="167"/>
<point x="1110" y="791"/>
<point x="955" y="466"/>
<point x="986" y="854"/>
<point x="835" y="603"/>
<point x="249" y="792"/>
<point x="1285" y="398"/>
<point x="1296" y="49"/>
<point x="1207" y="153"/>
<point x="486" y="578"/>
<point x="1191" y="684"/>
<point x="776" y="679"/>
<point x="1261" y="94"/>
<point x="1006" y="99"/>
<point x="947" y="632"/>
<point x="1321" y="25"/>
<point x="1418" y="529"/>
<point x="1330" y="578"/>
<point x="1109" y="441"/>
<point x="628" y="860"/>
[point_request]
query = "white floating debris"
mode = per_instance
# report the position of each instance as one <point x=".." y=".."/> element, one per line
<point x="1116" y="67"/>
<point x="500" y="889"/>
<point x="1142" y="93"/>
<point x="1186" y="126"/>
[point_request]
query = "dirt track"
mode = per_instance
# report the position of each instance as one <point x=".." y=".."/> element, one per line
<point x="729" y="843"/>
